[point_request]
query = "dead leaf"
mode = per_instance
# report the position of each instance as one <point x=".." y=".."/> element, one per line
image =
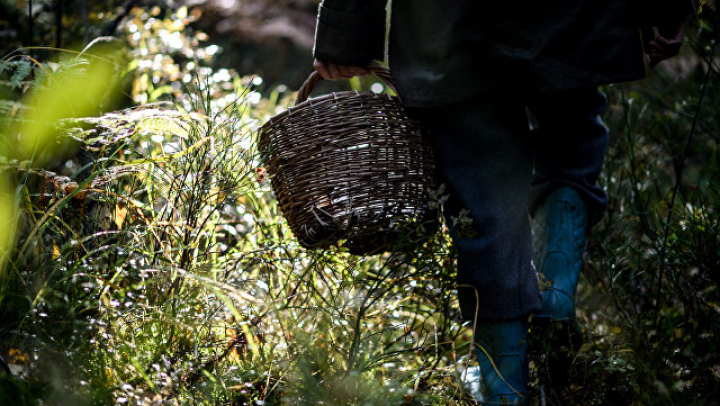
<point x="120" y="214"/>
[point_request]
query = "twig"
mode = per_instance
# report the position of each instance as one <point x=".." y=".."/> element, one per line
<point x="58" y="22"/>
<point x="678" y="181"/>
<point x="31" y="28"/>
<point x="238" y="340"/>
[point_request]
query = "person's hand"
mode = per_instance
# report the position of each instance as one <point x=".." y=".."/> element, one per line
<point x="664" y="44"/>
<point x="333" y="71"/>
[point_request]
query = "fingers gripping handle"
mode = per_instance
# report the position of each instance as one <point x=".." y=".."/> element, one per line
<point x="382" y="72"/>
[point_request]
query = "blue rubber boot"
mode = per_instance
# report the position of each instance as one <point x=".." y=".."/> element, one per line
<point x="559" y="228"/>
<point x="501" y="378"/>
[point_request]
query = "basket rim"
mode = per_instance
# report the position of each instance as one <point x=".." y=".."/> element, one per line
<point x="324" y="99"/>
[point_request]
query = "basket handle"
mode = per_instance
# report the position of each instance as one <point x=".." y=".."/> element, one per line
<point x="382" y="72"/>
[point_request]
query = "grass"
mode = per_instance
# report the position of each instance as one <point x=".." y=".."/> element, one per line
<point x="151" y="265"/>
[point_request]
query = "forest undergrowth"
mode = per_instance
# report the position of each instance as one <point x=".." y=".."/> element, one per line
<point x="145" y="262"/>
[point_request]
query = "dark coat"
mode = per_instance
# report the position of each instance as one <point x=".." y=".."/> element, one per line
<point x="445" y="51"/>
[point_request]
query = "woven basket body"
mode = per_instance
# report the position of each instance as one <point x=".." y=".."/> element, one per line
<point x="350" y="166"/>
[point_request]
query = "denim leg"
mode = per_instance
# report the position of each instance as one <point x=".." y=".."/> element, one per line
<point x="569" y="140"/>
<point x="484" y="155"/>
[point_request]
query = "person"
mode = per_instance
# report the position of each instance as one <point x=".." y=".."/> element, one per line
<point x="475" y="73"/>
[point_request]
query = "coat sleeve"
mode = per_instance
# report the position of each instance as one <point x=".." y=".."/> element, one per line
<point x="654" y="13"/>
<point x="350" y="32"/>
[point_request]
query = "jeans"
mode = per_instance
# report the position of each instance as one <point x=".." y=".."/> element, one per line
<point x="498" y="156"/>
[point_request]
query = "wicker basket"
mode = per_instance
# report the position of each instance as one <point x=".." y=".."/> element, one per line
<point x="350" y="166"/>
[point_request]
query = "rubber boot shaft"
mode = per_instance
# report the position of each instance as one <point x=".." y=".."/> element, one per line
<point x="559" y="226"/>
<point x="501" y="349"/>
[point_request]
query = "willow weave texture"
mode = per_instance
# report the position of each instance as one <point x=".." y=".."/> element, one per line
<point x="351" y="166"/>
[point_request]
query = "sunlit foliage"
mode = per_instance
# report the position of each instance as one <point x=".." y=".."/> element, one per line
<point x="145" y="261"/>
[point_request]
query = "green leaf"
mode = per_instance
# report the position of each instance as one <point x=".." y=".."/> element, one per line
<point x="23" y="71"/>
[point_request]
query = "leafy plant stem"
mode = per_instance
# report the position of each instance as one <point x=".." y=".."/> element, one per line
<point x="678" y="181"/>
